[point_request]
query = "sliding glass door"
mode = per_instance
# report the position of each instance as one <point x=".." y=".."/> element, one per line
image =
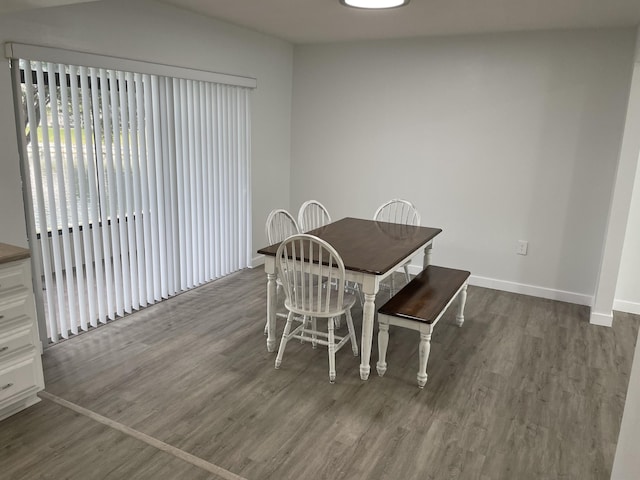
<point x="139" y="184"/>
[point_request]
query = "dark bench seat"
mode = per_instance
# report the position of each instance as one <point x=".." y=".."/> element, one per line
<point x="419" y="306"/>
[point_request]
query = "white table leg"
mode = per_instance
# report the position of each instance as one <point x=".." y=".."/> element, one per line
<point x="368" y="312"/>
<point x="462" y="299"/>
<point x="427" y="255"/>
<point x="271" y="312"/>
<point x="370" y="287"/>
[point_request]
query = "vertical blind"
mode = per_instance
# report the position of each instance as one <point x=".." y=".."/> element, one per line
<point x="140" y="187"/>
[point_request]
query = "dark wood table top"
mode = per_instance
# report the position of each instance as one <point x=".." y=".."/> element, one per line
<point x="370" y="246"/>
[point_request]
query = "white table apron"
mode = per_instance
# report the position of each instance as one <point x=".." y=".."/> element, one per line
<point x="370" y="286"/>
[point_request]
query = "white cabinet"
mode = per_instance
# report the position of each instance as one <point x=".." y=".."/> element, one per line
<point x="20" y="363"/>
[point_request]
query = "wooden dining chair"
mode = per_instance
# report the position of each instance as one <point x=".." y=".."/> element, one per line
<point x="312" y="214"/>
<point x="313" y="278"/>
<point x="398" y="211"/>
<point x="279" y="226"/>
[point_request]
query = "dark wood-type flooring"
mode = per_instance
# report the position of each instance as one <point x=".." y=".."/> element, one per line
<point x="526" y="389"/>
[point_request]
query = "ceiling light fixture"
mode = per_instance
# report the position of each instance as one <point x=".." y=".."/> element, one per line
<point x="374" y="4"/>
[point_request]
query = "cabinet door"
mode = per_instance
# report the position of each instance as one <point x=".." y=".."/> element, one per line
<point x="14" y="275"/>
<point x="15" y="304"/>
<point x="15" y="336"/>
<point x="18" y="376"/>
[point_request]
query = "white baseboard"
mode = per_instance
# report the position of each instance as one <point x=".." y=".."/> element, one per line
<point x="257" y="261"/>
<point x="524" y="289"/>
<point x="601" y="319"/>
<point x="533" y="290"/>
<point x="627" y="307"/>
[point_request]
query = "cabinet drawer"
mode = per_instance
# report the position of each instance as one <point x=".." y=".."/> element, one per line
<point x="15" y="335"/>
<point x="14" y="274"/>
<point x="18" y="377"/>
<point x="15" y="305"/>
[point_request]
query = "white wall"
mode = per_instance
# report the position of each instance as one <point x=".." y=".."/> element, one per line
<point x="495" y="138"/>
<point x="628" y="288"/>
<point x="149" y="31"/>
<point x="627" y="298"/>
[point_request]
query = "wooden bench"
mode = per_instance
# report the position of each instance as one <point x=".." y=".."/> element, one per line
<point x="419" y="306"/>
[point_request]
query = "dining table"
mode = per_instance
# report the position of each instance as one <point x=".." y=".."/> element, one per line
<point x="371" y="251"/>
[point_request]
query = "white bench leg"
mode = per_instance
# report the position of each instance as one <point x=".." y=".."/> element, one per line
<point x="462" y="299"/>
<point x="424" y="348"/>
<point x="383" y="342"/>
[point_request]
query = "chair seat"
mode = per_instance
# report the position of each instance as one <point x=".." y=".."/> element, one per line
<point x="334" y="309"/>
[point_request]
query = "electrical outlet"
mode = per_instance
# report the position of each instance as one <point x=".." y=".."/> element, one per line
<point x="523" y="246"/>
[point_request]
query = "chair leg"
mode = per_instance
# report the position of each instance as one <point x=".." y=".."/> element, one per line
<point x="284" y="340"/>
<point x="332" y="351"/>
<point x="352" y="333"/>
<point x="357" y="287"/>
<point x="383" y="342"/>
<point x="424" y="349"/>
<point x="305" y="322"/>
<point x="462" y="299"/>
<point x="314" y="337"/>
<point x="406" y="273"/>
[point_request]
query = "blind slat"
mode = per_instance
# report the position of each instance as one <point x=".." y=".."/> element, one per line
<point x="94" y="212"/>
<point x="141" y="101"/>
<point x="132" y="300"/>
<point x="40" y="204"/>
<point x="67" y="316"/>
<point x="132" y="92"/>
<point x="172" y="198"/>
<point x="51" y="215"/>
<point x="88" y="307"/>
<point x="157" y="203"/>
<point x="206" y="159"/>
<point x="199" y="183"/>
<point x="72" y="244"/>
<point x="118" y="215"/>
<point x="102" y="198"/>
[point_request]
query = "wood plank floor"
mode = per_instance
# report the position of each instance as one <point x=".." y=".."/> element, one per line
<point x="526" y="389"/>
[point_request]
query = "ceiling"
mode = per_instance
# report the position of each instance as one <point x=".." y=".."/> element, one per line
<point x="311" y="21"/>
